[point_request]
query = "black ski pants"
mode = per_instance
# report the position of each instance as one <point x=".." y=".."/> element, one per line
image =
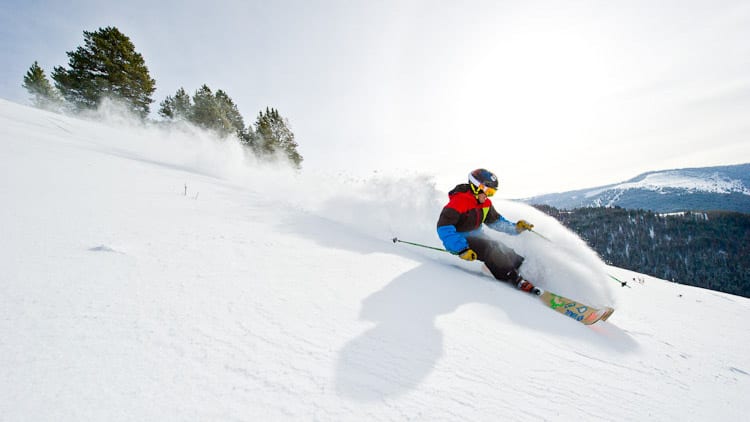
<point x="502" y="261"/>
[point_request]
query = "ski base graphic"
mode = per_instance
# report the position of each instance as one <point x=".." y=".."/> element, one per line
<point x="578" y="311"/>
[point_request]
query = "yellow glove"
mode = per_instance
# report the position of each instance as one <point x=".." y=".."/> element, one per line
<point x="468" y="255"/>
<point x="522" y="225"/>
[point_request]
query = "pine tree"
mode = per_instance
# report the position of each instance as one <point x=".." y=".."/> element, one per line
<point x="43" y="95"/>
<point x="232" y="120"/>
<point x="272" y="135"/>
<point x="106" y="66"/>
<point x="263" y="144"/>
<point x="178" y="107"/>
<point x="208" y="110"/>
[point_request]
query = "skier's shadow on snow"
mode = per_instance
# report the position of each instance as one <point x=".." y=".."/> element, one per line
<point x="401" y="350"/>
<point x="396" y="355"/>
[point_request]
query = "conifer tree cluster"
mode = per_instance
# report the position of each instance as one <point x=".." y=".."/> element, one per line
<point x="108" y="66"/>
<point x="268" y="138"/>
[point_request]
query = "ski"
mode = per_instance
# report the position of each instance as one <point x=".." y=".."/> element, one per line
<point x="578" y="311"/>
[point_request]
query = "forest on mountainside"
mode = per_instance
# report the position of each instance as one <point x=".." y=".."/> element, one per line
<point x="704" y="249"/>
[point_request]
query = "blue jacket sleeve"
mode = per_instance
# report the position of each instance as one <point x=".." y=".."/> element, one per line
<point x="503" y="225"/>
<point x="452" y="240"/>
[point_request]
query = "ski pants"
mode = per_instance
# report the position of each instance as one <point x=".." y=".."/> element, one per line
<point x="502" y="261"/>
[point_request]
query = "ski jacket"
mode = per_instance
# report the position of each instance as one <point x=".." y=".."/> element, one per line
<point x="463" y="215"/>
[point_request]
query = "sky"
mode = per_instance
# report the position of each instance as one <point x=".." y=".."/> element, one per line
<point x="550" y="96"/>
<point x="142" y="280"/>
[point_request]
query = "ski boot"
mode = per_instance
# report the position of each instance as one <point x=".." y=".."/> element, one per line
<point x="527" y="286"/>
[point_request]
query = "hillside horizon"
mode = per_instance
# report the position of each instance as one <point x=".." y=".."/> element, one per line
<point x="714" y="188"/>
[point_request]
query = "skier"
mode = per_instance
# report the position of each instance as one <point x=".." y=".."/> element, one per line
<point x="459" y="227"/>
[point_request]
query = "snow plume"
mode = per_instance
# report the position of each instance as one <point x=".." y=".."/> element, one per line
<point x="178" y="144"/>
<point x="408" y="206"/>
<point x="556" y="258"/>
<point x="384" y="207"/>
<point x="117" y="132"/>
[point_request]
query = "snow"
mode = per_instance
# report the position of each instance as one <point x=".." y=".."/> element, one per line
<point x="674" y="179"/>
<point x="714" y="183"/>
<point x="159" y="274"/>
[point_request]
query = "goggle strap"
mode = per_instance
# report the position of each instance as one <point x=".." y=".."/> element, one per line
<point x="474" y="180"/>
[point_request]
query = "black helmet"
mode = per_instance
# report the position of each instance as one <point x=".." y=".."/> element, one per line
<point x="483" y="180"/>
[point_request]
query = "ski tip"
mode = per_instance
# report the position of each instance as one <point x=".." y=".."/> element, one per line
<point x="608" y="314"/>
<point x="600" y="315"/>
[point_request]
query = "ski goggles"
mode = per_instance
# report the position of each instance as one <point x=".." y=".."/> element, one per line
<point x="484" y="189"/>
<point x="487" y="190"/>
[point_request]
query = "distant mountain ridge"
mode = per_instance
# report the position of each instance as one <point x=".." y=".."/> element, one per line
<point x="719" y="188"/>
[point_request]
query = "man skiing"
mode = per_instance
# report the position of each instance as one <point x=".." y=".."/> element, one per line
<point x="459" y="227"/>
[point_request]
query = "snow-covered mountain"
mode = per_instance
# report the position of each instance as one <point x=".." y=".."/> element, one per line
<point x="155" y="274"/>
<point x="724" y="188"/>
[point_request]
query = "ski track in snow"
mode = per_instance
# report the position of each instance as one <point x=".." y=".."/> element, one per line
<point x="265" y="295"/>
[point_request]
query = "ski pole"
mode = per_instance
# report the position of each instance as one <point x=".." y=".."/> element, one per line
<point x="622" y="283"/>
<point x="396" y="239"/>
<point x="539" y="234"/>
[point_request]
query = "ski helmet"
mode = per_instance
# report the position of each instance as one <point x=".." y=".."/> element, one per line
<point x="482" y="180"/>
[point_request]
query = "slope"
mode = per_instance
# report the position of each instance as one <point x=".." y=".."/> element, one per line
<point x="162" y="275"/>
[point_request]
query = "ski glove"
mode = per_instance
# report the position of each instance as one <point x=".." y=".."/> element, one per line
<point x="522" y="225"/>
<point x="467" y="254"/>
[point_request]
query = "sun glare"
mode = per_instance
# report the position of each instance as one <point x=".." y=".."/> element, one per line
<point x="541" y="90"/>
<point x="536" y="84"/>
